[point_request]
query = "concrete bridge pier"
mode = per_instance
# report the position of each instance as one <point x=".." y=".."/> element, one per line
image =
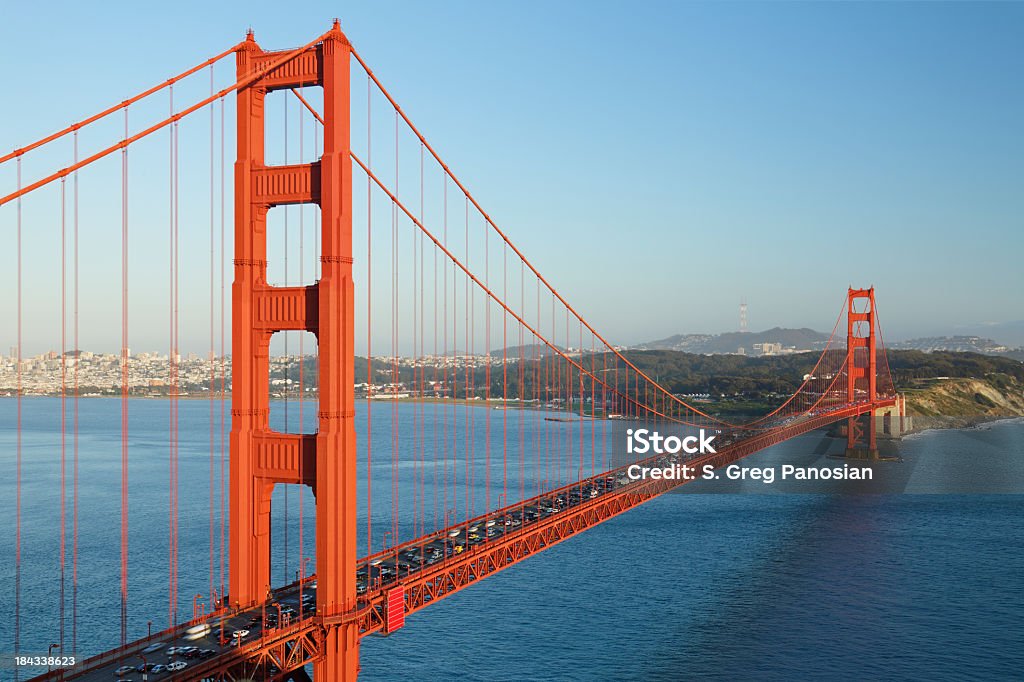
<point x="886" y="423"/>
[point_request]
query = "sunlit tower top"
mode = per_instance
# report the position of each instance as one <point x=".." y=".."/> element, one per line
<point x="743" y="317"/>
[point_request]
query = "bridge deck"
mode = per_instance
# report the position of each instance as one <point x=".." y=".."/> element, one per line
<point x="285" y="634"/>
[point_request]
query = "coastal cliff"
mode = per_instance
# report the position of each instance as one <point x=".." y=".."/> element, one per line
<point x="961" y="402"/>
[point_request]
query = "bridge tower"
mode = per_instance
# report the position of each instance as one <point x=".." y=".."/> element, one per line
<point x="261" y="457"/>
<point x="861" y="371"/>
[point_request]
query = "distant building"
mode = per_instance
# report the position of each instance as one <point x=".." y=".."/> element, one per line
<point x="768" y="348"/>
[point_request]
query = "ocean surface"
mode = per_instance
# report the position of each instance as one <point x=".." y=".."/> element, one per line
<point x="914" y="575"/>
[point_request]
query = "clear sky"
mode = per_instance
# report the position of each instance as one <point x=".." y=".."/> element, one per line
<point x="702" y="152"/>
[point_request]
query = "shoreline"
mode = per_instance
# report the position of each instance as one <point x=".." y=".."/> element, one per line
<point x="964" y="423"/>
<point x="922" y="423"/>
<point x="493" y="403"/>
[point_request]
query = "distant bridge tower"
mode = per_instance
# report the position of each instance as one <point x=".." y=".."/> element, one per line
<point x="261" y="457"/>
<point x="861" y="371"/>
<point x="743" y="317"/>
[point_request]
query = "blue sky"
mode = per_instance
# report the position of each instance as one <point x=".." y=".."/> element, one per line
<point x="688" y="155"/>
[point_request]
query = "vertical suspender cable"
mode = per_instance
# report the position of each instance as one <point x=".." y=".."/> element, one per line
<point x="423" y="375"/>
<point x="394" y="351"/>
<point x="287" y="357"/>
<point x="211" y="357"/>
<point x="547" y="401"/>
<point x="177" y="356"/>
<point x="545" y="396"/>
<point x="436" y="430"/>
<point x="302" y="356"/>
<point x="536" y="397"/>
<point x="74" y="474"/>
<point x="369" y="331"/>
<point x="415" y="410"/>
<point x="593" y="400"/>
<point x="455" y="389"/>
<point x="177" y="359"/>
<point x="63" y="399"/>
<point x="571" y="381"/>
<point x="124" y="387"/>
<point x="223" y="363"/>
<point x="447" y="386"/>
<point x="173" y="371"/>
<point x="17" y="473"/>
<point x="504" y="376"/>
<point x="316" y="230"/>
<point x="581" y="419"/>
<point x="170" y="368"/>
<point x="418" y="313"/>
<point x="170" y="372"/>
<point x="469" y="369"/>
<point x="521" y="395"/>
<point x="487" y="372"/>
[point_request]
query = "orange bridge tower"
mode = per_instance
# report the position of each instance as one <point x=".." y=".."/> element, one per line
<point x="261" y="457"/>
<point x="861" y="373"/>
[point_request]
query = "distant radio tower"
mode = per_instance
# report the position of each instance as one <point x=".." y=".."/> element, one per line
<point x="743" y="317"/>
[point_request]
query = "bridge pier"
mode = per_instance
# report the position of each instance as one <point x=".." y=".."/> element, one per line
<point x="893" y="422"/>
<point x="884" y="423"/>
<point x="861" y="438"/>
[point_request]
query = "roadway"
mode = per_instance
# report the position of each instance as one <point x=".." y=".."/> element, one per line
<point x="205" y="644"/>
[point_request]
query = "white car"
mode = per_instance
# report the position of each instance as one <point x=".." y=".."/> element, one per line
<point x="176" y="666"/>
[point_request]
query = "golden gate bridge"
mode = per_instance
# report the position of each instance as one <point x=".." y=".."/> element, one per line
<point x="396" y="253"/>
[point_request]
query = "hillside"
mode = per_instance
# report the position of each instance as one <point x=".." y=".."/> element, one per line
<point x="526" y="352"/>
<point x="952" y="403"/>
<point x="729" y="342"/>
<point x="965" y="344"/>
<point x="946" y="388"/>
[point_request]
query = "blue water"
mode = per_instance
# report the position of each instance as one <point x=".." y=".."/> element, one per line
<point x="732" y="584"/>
<point x="739" y="587"/>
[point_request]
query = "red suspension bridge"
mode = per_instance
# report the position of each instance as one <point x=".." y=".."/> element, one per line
<point x="407" y="287"/>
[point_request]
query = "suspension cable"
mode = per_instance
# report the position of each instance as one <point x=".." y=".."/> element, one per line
<point x="469" y="196"/>
<point x="130" y="139"/>
<point x="75" y="127"/>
